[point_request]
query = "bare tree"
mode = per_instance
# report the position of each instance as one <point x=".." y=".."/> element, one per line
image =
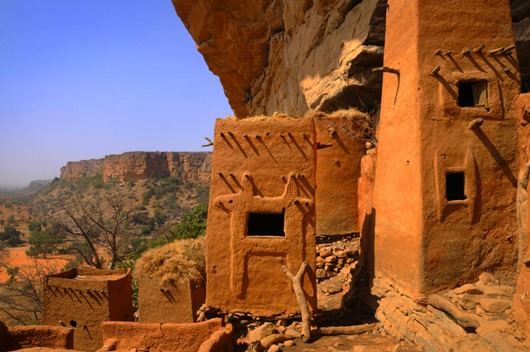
<point x="110" y="214"/>
<point x="73" y="218"/>
<point x="21" y="295"/>
<point x="98" y="225"/>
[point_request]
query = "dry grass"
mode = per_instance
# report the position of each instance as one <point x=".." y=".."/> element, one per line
<point x="360" y="121"/>
<point x="275" y="116"/>
<point x="175" y="262"/>
<point x="351" y="113"/>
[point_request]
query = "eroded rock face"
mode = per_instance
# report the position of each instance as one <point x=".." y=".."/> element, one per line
<point x="133" y="166"/>
<point x="521" y="28"/>
<point x="76" y="169"/>
<point x="292" y="56"/>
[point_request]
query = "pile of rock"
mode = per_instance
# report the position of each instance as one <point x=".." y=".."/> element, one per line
<point x="486" y="298"/>
<point x="334" y="258"/>
<point x="272" y="337"/>
<point x="337" y="271"/>
<point x="474" y="316"/>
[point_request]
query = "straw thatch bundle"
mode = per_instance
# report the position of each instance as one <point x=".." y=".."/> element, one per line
<point x="175" y="262"/>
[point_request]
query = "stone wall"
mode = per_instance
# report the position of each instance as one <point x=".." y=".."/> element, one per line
<point x="133" y="166"/>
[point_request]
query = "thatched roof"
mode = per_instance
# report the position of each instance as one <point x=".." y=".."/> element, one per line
<point x="175" y="262"/>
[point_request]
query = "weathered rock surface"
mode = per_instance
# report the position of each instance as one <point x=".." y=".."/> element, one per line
<point x="471" y="317"/>
<point x="521" y="28"/>
<point x="292" y="56"/>
<point x="76" y="169"/>
<point x="188" y="166"/>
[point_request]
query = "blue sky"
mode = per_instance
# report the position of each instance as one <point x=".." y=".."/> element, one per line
<point x="81" y="79"/>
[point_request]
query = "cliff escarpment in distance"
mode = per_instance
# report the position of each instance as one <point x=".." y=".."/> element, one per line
<point x="191" y="167"/>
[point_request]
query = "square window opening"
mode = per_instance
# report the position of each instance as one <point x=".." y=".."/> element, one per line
<point x="455" y="186"/>
<point x="266" y="224"/>
<point x="473" y="94"/>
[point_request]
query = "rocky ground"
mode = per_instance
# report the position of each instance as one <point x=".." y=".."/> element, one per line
<point x="370" y="342"/>
<point x="367" y="342"/>
<point x="335" y="327"/>
<point x="284" y="336"/>
<point x="475" y="316"/>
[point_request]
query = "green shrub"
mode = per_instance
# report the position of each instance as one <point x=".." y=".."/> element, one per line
<point x="193" y="223"/>
<point x="34" y="226"/>
<point x="11" y="220"/>
<point x="11" y="237"/>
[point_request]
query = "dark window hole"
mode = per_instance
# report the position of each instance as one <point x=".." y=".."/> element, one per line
<point x="455" y="186"/>
<point x="473" y="94"/>
<point x="266" y="224"/>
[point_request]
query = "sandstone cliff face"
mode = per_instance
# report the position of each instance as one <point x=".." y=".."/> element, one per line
<point x="292" y="56"/>
<point x="133" y="166"/>
<point x="76" y="169"/>
<point x="190" y="167"/>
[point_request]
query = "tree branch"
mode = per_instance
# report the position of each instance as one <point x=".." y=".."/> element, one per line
<point x="300" y="297"/>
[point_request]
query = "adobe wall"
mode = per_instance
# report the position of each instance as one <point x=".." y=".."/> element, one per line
<point x="159" y="337"/>
<point x="120" y="298"/>
<point x="220" y="341"/>
<point x="338" y="169"/>
<point x="521" y="302"/>
<point x="398" y="195"/>
<point x="83" y="298"/>
<point x="424" y="136"/>
<point x="522" y="113"/>
<point x="366" y="209"/>
<point x="29" y="336"/>
<point x="177" y="303"/>
<point x="263" y="176"/>
<point x="483" y="224"/>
